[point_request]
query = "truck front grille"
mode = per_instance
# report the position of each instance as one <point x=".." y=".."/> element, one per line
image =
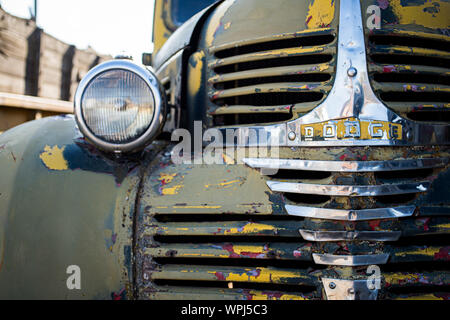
<point x="331" y="209"/>
<point x="265" y="81"/>
<point x="410" y="74"/>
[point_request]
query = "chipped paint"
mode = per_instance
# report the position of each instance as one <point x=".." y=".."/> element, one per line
<point x="53" y="158"/>
<point x="251" y="227"/>
<point x="166" y="178"/>
<point x="320" y="14"/>
<point x="254" y="295"/>
<point x="171" y="190"/>
<point x="422" y="297"/>
<point x="225" y="184"/>
<point x="423" y="251"/>
<point x="196" y="72"/>
<point x="197" y="207"/>
<point x="259" y="275"/>
<point x="429" y="14"/>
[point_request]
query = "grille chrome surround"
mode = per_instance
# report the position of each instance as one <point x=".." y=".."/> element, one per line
<point x="350" y="261"/>
<point x="348" y="190"/>
<point x="350" y="215"/>
<point x="311" y="235"/>
<point x="345" y="166"/>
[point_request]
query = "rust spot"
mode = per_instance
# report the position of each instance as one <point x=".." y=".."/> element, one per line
<point x="423" y="223"/>
<point x="171" y="253"/>
<point x="443" y="254"/>
<point x="220" y="276"/>
<point x="119" y="295"/>
<point x="374" y="225"/>
<point x="388" y="69"/>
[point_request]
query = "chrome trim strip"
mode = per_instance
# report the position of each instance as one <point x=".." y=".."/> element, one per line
<point x="344" y="166"/>
<point x="338" y="289"/>
<point x="351" y="97"/>
<point x="350" y="215"/>
<point x="312" y="235"/>
<point x="350" y="261"/>
<point x="348" y="190"/>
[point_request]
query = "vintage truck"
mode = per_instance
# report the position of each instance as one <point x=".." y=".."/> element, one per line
<point x="326" y="125"/>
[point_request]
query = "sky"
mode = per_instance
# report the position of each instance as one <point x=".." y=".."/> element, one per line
<point x="108" y="26"/>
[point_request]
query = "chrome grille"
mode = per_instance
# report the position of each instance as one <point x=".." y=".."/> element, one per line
<point x="410" y="74"/>
<point x="265" y="81"/>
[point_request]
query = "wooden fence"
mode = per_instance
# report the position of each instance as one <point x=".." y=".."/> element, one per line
<point x="33" y="63"/>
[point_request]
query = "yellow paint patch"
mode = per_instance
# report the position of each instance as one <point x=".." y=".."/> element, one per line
<point x="430" y="14"/>
<point x="167" y="177"/>
<point x="260" y="296"/>
<point x="320" y="14"/>
<point x="422" y="297"/>
<point x="197" y="207"/>
<point x="396" y="278"/>
<point x="227" y="159"/>
<point x="195" y="72"/>
<point x="172" y="190"/>
<point x="53" y="158"/>
<point x="225" y="184"/>
<point x="426" y="252"/>
<point x="261" y="275"/>
<point x="251" y="228"/>
<point x="249" y="249"/>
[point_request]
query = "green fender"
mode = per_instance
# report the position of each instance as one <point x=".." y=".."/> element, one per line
<point x="61" y="204"/>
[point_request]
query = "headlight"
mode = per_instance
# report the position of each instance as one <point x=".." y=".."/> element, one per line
<point x="119" y="106"/>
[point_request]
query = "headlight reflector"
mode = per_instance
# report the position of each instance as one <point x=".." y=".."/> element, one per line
<point x="119" y="106"/>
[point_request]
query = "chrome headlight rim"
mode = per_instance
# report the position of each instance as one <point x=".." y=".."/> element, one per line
<point x="159" y="113"/>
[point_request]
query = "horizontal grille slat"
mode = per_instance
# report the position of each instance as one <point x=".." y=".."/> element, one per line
<point x="401" y="50"/>
<point x="282" y="251"/>
<point x="420" y="107"/>
<point x="234" y="274"/>
<point x="201" y="293"/>
<point x="407" y="69"/>
<point x="233" y="228"/>
<point x="413" y="87"/>
<point x="290" y="87"/>
<point x="286" y="251"/>
<point x="348" y="190"/>
<point x="272" y="54"/>
<point x="323" y="68"/>
<point x="417" y="279"/>
<point x="418" y="254"/>
<point x="307" y="39"/>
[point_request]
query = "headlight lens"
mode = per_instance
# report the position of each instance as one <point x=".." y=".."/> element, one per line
<point x="120" y="106"/>
<point x="117" y="106"/>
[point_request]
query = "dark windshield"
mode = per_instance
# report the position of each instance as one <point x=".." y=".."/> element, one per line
<point x="182" y="10"/>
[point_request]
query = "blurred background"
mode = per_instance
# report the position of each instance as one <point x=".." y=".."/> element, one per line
<point x="47" y="46"/>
